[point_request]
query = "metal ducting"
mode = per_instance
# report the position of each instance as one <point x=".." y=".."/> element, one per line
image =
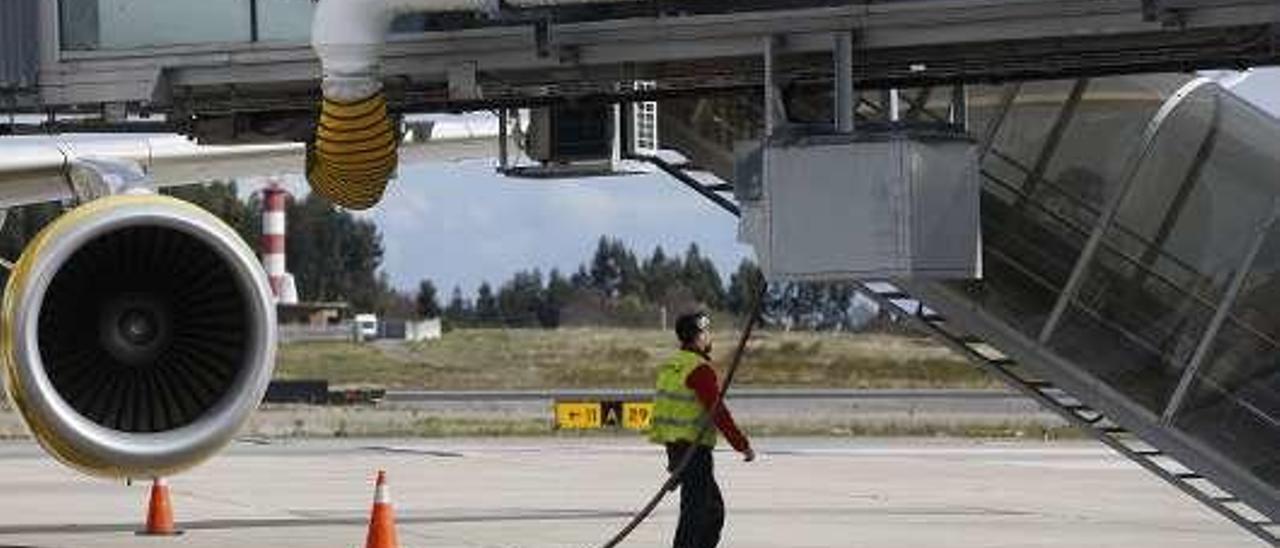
<point x="138" y="336"/>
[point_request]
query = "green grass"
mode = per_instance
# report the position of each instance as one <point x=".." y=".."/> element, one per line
<point x="624" y="358"/>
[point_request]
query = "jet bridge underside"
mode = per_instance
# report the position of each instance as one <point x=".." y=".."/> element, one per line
<point x="805" y="64"/>
<point x="535" y="57"/>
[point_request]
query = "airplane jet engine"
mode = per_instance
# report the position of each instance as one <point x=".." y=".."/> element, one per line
<point x="138" y="336"/>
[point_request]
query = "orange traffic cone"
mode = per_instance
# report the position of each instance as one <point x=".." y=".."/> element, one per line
<point x="160" y="511"/>
<point x="382" y="522"/>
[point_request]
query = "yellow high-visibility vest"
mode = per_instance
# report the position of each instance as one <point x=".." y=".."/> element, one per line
<point x="677" y="413"/>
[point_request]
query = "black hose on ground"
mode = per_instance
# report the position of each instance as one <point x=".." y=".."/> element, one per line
<point x="673" y="479"/>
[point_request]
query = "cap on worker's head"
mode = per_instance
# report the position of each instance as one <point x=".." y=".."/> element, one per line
<point x="689" y="326"/>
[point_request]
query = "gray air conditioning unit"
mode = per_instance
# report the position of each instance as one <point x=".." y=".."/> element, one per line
<point x="864" y="206"/>
<point x="568" y="134"/>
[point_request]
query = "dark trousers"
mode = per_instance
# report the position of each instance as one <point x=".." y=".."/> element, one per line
<point x="701" y="506"/>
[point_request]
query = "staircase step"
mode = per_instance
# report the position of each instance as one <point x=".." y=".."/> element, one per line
<point x="1065" y="403"/>
<point x="689" y="166"/>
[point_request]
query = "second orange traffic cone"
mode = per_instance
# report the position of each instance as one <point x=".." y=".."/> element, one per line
<point x="382" y="522"/>
<point x="160" y="511"/>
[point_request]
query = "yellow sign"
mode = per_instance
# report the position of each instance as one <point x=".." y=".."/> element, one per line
<point x="577" y="415"/>
<point x="608" y="414"/>
<point x="637" y="415"/>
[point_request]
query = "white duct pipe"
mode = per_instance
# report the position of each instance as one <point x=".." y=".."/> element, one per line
<point x="349" y="35"/>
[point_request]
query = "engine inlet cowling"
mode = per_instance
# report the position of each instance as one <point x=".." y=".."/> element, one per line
<point x="138" y="336"/>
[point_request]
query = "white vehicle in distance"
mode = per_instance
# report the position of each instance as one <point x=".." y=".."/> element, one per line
<point x="366" y="327"/>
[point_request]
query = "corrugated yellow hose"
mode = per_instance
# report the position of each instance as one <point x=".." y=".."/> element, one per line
<point x="354" y="154"/>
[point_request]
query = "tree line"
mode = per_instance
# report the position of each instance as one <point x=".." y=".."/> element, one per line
<point x="613" y="287"/>
<point x="618" y="287"/>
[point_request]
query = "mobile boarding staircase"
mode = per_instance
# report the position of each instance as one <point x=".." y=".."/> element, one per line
<point x="1094" y="306"/>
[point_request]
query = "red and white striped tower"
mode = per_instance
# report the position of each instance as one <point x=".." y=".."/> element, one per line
<point x="273" y="198"/>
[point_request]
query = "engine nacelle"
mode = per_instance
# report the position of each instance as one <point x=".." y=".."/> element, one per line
<point x="139" y="334"/>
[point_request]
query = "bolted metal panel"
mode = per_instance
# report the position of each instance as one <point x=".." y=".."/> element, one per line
<point x="868" y="206"/>
<point x="19" y="43"/>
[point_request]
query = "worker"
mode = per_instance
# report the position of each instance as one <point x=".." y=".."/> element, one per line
<point x="687" y="390"/>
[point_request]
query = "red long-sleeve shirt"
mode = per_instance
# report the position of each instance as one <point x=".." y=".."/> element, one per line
<point x="704" y="384"/>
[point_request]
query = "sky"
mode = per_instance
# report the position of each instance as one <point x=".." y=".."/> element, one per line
<point x="461" y="223"/>
<point x="1262" y="87"/>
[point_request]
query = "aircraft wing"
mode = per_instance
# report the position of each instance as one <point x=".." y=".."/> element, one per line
<point x="35" y="169"/>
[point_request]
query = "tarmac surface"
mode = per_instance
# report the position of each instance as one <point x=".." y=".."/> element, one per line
<point x="758" y="406"/>
<point x="575" y="492"/>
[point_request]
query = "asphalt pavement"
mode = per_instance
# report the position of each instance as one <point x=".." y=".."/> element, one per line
<point x="535" y="493"/>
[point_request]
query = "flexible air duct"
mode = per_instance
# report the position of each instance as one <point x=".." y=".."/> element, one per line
<point x="354" y="153"/>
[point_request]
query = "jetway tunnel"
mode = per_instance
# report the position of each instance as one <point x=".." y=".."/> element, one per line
<point x="1132" y="251"/>
<point x="1137" y="241"/>
<point x="1130" y="268"/>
